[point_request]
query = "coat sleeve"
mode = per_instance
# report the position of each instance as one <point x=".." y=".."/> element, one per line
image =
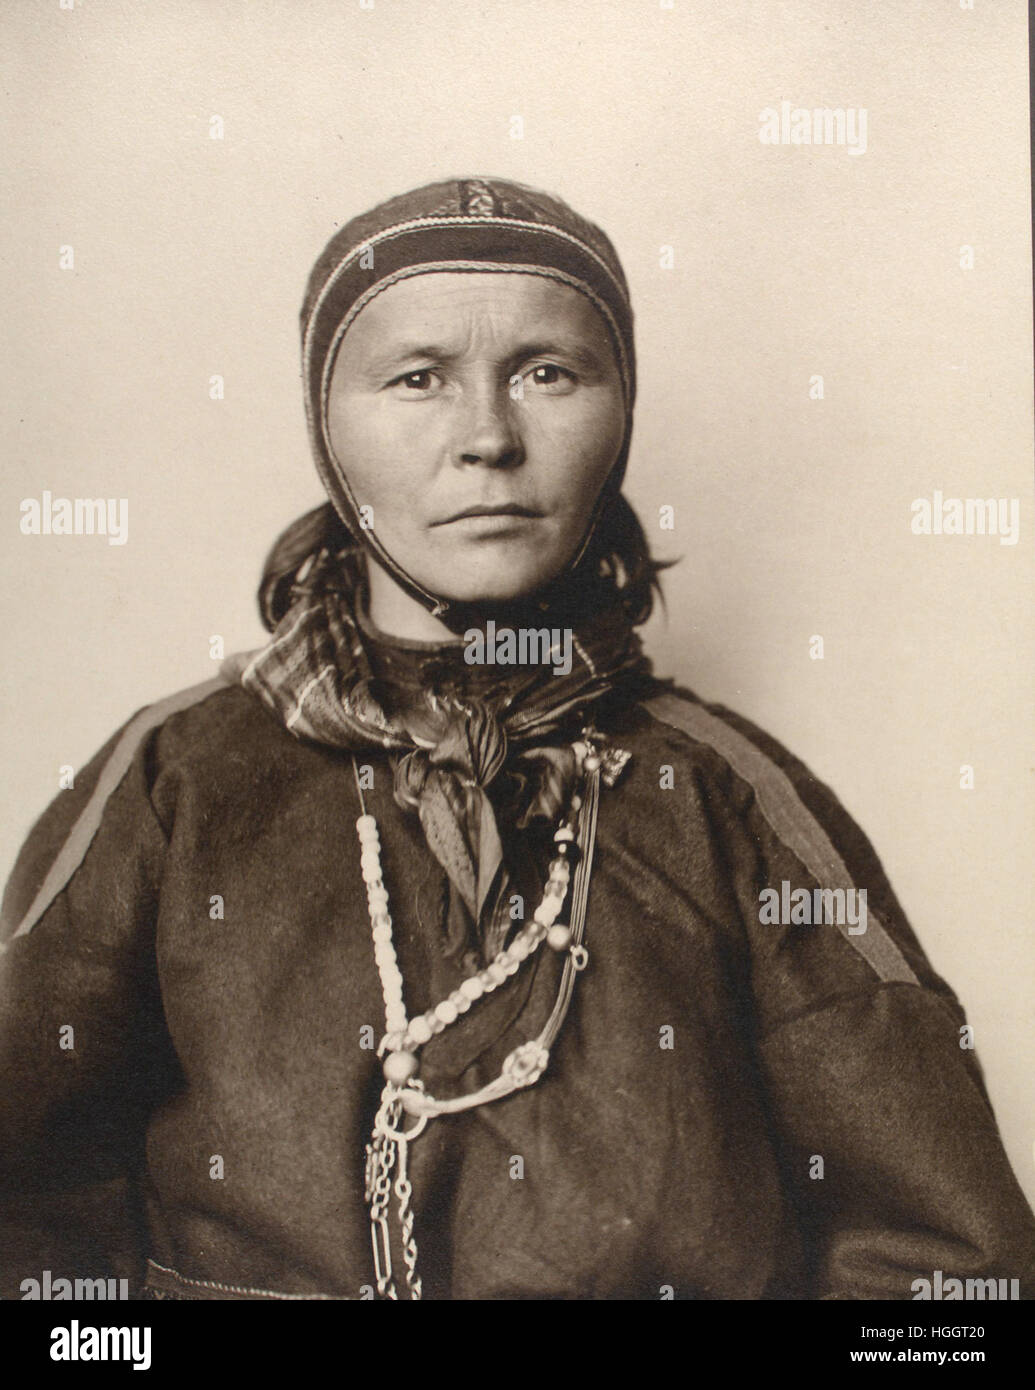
<point x="887" y="1142"/>
<point x="871" y="1069"/>
<point x="84" y="1054"/>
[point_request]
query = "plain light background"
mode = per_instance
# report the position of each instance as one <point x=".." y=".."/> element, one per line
<point x="792" y="515"/>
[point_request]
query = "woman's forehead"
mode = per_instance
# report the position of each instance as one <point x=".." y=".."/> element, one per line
<point x="451" y="305"/>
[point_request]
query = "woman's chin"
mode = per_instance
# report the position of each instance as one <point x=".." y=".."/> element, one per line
<point x="504" y="582"/>
<point x="485" y="595"/>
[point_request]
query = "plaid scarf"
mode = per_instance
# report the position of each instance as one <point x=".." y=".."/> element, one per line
<point x="482" y="754"/>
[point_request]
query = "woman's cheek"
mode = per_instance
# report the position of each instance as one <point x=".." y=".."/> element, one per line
<point x="383" y="453"/>
<point x="557" y="428"/>
<point x="407" y="436"/>
<point x="587" y="442"/>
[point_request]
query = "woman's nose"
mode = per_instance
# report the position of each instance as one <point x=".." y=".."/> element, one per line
<point x="487" y="429"/>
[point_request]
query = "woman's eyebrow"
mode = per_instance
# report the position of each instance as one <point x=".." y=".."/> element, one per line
<point x="393" y="357"/>
<point x="579" y="352"/>
<point x="397" y="353"/>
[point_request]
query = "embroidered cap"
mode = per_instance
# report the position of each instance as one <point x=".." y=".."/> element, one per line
<point x="476" y="225"/>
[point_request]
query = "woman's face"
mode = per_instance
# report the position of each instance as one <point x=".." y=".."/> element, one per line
<point x="477" y="415"/>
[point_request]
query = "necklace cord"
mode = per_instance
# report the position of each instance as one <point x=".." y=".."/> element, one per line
<point x="359" y="786"/>
<point x="577" y="918"/>
<point x="389" y="1144"/>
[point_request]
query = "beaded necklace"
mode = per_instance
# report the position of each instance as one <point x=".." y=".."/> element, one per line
<point x="404" y="1093"/>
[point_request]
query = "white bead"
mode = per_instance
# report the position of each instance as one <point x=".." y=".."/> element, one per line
<point x="559" y="937"/>
<point x="512" y="967"/>
<point x="399" y="1067"/>
<point x="548" y="911"/>
<point x="459" y="1001"/>
<point x="367" y="826"/>
<point x="377" y="895"/>
<point x="382" y="933"/>
<point x="420" y="1030"/>
<point x="519" y="948"/>
<point x="446" y="1011"/>
<point x="496" y="973"/>
<point x="473" y="988"/>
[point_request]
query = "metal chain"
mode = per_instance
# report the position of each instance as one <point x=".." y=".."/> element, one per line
<point x="404" y="1190"/>
<point x="381" y="1155"/>
<point x="389" y="1150"/>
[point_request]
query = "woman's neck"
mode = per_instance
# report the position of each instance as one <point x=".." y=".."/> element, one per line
<point x="395" y="613"/>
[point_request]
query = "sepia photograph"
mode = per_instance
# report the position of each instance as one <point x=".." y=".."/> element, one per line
<point x="517" y="709"/>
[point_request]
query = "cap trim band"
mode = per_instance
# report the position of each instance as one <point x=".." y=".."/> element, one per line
<point x="430" y="223"/>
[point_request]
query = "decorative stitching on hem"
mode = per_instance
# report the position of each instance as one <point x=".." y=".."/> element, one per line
<point x="232" y="1288"/>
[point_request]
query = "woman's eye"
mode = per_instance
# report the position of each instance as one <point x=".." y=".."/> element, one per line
<point x="549" y="374"/>
<point x="415" y="381"/>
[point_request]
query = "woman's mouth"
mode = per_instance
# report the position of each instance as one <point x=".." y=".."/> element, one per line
<point x="484" y="512"/>
<point x="506" y="513"/>
<point x="497" y="523"/>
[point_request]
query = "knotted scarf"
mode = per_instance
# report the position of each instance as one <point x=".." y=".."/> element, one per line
<point x="481" y="753"/>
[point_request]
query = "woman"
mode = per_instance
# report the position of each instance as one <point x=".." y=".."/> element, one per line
<point x="435" y="948"/>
